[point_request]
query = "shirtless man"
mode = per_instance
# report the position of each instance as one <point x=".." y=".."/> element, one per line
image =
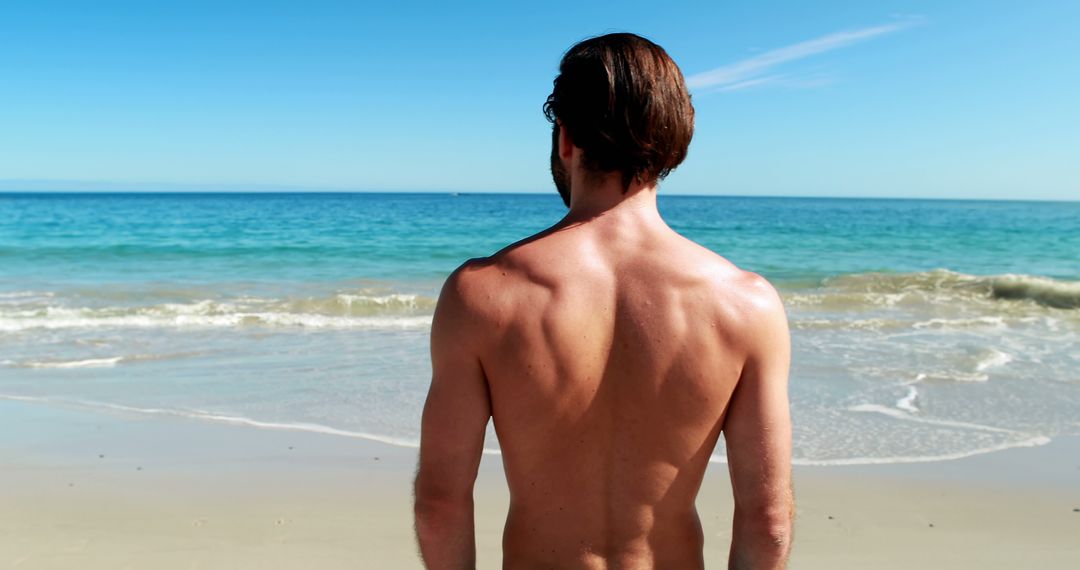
<point x="611" y="353"/>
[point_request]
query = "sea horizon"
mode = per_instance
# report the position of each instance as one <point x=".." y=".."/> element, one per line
<point x="271" y="189"/>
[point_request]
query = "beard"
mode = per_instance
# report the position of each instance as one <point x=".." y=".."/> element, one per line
<point x="558" y="171"/>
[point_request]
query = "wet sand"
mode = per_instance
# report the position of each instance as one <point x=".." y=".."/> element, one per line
<point x="91" y="490"/>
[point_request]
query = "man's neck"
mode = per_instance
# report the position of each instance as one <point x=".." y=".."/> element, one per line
<point x="606" y="200"/>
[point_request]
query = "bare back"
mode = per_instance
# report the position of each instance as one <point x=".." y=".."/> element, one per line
<point x="611" y="359"/>
<point x="611" y="353"/>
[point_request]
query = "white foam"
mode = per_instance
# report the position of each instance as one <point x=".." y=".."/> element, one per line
<point x="918" y="378"/>
<point x="395" y="299"/>
<point x="995" y="359"/>
<point x="88" y="363"/>
<point x="902" y="415"/>
<point x="996" y="322"/>
<point x="346" y="309"/>
<point x="852" y="324"/>
<point x="35" y="399"/>
<point x="1034" y="441"/>
<point x="15" y="297"/>
<point x="60" y="321"/>
<point x="958" y="376"/>
<point x="907" y="403"/>
<point x="944" y="285"/>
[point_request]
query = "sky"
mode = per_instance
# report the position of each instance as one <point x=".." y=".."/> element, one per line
<point x="827" y="98"/>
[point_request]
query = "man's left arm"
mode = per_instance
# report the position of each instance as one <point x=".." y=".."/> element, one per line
<point x="452" y="435"/>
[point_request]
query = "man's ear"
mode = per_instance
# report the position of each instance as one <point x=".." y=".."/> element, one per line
<point x="566" y="145"/>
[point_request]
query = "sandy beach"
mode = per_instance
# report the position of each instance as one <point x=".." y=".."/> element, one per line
<point x="85" y="489"/>
<point x="225" y="229"/>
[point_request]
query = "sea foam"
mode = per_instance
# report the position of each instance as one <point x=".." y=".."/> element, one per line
<point x="339" y="311"/>
<point x="907" y="403"/>
<point x="891" y="289"/>
<point x="993" y="359"/>
<point x="85" y="363"/>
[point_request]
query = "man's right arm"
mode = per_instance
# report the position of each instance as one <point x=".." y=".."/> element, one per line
<point x="452" y="433"/>
<point x="757" y="431"/>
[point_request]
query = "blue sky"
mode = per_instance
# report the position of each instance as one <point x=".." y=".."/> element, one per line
<point x="891" y="99"/>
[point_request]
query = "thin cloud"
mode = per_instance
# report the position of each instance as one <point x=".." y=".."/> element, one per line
<point x="755" y="82"/>
<point x="752" y="71"/>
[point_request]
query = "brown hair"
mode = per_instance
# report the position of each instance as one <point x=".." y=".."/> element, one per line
<point x="623" y="101"/>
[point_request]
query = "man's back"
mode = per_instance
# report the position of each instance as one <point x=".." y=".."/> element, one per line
<point x="610" y="353"/>
<point x="610" y="367"/>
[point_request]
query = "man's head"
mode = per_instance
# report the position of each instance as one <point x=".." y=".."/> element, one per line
<point x="623" y="102"/>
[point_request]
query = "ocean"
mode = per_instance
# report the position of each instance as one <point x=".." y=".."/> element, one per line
<point x="923" y="330"/>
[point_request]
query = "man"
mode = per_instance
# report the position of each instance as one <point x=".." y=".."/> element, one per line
<point x="611" y="353"/>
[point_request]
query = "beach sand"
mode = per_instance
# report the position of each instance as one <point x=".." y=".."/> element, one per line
<point x="89" y="490"/>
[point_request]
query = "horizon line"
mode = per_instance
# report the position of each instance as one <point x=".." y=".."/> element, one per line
<point x="317" y="191"/>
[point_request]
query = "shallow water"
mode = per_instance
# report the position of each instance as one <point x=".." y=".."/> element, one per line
<point x="922" y="330"/>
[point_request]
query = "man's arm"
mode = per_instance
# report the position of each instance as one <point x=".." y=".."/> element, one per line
<point x="452" y="435"/>
<point x="757" y="431"/>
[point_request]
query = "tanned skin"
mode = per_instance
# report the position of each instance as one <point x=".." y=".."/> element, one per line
<point x="611" y="353"/>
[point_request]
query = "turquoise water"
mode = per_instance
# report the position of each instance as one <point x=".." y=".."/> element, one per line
<point x="922" y="329"/>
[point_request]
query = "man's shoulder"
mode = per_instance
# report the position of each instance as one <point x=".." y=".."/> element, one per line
<point x="514" y="265"/>
<point x="745" y="299"/>
<point x="467" y="283"/>
<point x="475" y="289"/>
<point x="757" y="295"/>
<point x="758" y="312"/>
<point x="495" y="289"/>
<point x="725" y="275"/>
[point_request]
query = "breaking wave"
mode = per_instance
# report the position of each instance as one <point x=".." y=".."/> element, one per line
<point x="939" y="285"/>
<point x="340" y="310"/>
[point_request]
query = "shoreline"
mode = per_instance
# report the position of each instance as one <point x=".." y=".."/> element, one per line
<point x="320" y="429"/>
<point x="105" y="490"/>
